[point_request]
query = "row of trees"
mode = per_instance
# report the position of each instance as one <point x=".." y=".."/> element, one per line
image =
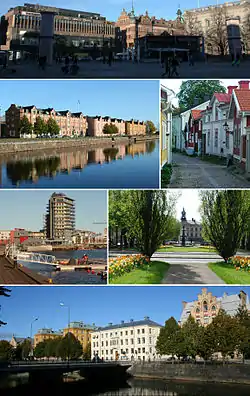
<point x="215" y="32"/>
<point x="111" y="129"/>
<point x="226" y="219"/>
<point x="67" y="347"/>
<point x="145" y="218"/>
<point x="40" y="127"/>
<point x="226" y="335"/>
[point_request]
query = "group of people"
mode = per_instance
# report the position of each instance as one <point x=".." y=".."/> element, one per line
<point x="70" y="64"/>
<point x="109" y="59"/>
<point x="171" y="64"/>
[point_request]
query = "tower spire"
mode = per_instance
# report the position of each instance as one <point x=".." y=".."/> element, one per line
<point x="133" y="9"/>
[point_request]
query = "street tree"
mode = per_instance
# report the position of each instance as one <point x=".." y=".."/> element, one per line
<point x="243" y="318"/>
<point x="192" y="25"/>
<point x="39" y="350"/>
<point x="206" y="344"/>
<point x="87" y="352"/>
<point x="166" y="341"/>
<point x="40" y="126"/>
<point x="52" y="127"/>
<point x="225" y="216"/>
<point x="226" y="332"/>
<point x="110" y="129"/>
<point x="6" y="350"/>
<point x="216" y="33"/>
<point x="69" y="347"/>
<point x="189" y="332"/>
<point x="51" y="347"/>
<point x="26" y="347"/>
<point x="25" y="127"/>
<point x="150" y="126"/>
<point x="150" y="219"/>
<point x="195" y="92"/>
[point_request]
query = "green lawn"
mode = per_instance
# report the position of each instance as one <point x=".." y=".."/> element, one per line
<point x="153" y="275"/>
<point x="229" y="274"/>
<point x="187" y="249"/>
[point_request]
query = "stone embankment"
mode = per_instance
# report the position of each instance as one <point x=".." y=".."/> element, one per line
<point x="193" y="372"/>
<point x="50" y="144"/>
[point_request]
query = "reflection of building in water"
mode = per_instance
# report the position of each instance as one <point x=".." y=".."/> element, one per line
<point x="101" y="155"/>
<point x="138" y="148"/>
<point x="73" y="160"/>
<point x="69" y="123"/>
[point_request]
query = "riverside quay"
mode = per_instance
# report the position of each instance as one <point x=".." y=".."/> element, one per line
<point x="68" y="123"/>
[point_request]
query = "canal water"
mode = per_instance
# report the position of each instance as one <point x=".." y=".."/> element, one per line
<point x="122" y="166"/>
<point x="133" y="387"/>
<point x="74" y="277"/>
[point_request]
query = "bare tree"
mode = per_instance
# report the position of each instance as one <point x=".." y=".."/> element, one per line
<point x="192" y="25"/>
<point x="216" y="31"/>
<point x="245" y="32"/>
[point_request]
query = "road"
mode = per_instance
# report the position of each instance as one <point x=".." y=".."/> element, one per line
<point x="128" y="69"/>
<point x="18" y="276"/>
<point x="189" y="268"/>
<point x="192" y="172"/>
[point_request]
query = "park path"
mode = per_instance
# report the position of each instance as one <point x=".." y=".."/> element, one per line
<point x="192" y="172"/>
<point x="189" y="269"/>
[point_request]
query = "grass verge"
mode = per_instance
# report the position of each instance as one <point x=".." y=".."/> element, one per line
<point x="143" y="276"/>
<point x="187" y="249"/>
<point x="166" y="173"/>
<point x="229" y="274"/>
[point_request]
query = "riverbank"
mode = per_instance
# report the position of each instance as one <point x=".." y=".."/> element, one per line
<point x="235" y="373"/>
<point x="26" y="145"/>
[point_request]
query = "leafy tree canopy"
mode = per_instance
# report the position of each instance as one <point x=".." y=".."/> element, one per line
<point x="40" y="126"/>
<point x="151" y="128"/>
<point x="200" y="90"/>
<point x="52" y="127"/>
<point x="25" y="126"/>
<point x="110" y="129"/>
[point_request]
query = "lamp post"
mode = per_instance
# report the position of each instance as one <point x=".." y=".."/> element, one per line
<point x="31" y="334"/>
<point x="68" y="307"/>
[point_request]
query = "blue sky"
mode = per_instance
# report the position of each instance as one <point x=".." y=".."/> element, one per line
<point x="25" y="209"/>
<point x="121" y="98"/>
<point x="93" y="304"/>
<point x="112" y="8"/>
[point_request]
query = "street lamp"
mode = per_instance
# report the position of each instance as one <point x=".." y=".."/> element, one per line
<point x="31" y="334"/>
<point x="68" y="307"/>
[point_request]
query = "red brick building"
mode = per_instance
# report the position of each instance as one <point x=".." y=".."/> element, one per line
<point x="69" y="123"/>
<point x="239" y="111"/>
<point x="143" y="25"/>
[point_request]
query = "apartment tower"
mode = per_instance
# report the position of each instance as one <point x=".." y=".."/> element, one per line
<point x="60" y="218"/>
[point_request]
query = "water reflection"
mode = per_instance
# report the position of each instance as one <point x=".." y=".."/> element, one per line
<point x="134" y="387"/>
<point x="25" y="169"/>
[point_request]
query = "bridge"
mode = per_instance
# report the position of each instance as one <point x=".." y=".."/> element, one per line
<point x="54" y="370"/>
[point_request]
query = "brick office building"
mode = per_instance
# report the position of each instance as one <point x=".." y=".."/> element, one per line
<point x="69" y="123"/>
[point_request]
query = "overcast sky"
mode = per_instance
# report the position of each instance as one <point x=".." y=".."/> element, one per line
<point x="175" y="84"/>
<point x="188" y="199"/>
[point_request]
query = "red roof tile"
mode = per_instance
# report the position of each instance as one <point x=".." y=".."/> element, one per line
<point x="196" y="114"/>
<point x="243" y="97"/>
<point x="223" y="97"/>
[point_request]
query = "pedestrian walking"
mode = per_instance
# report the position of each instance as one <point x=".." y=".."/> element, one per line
<point x="110" y="59"/>
<point x="237" y="59"/>
<point x="174" y="67"/>
<point x="191" y="59"/>
<point x="15" y="262"/>
<point x="167" y="65"/>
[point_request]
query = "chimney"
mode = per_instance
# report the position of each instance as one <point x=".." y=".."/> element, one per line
<point x="122" y="322"/>
<point x="244" y="84"/>
<point x="146" y="317"/>
<point x="230" y="89"/>
<point x="131" y="320"/>
<point x="110" y="323"/>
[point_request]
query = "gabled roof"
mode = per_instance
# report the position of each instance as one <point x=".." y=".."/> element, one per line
<point x="243" y="97"/>
<point x="196" y="114"/>
<point x="222" y="97"/>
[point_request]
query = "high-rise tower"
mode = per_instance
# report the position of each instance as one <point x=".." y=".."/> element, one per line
<point x="60" y="217"/>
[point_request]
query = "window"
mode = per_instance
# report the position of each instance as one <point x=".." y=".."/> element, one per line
<point x="132" y="341"/>
<point x="216" y="138"/>
<point x="138" y="331"/>
<point x="150" y="340"/>
<point x="126" y="333"/>
<point x="208" y="137"/>
<point x="143" y="331"/>
<point x="121" y="333"/>
<point x="213" y="308"/>
<point x="126" y="342"/>
<point x="132" y="350"/>
<point x="139" y="350"/>
<point x="197" y="310"/>
<point x="143" y="340"/>
<point x="205" y="306"/>
<point x="143" y="350"/>
<point x="121" y="342"/>
<point x="138" y="340"/>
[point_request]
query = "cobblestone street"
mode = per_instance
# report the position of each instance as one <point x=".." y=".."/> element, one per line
<point x="192" y="172"/>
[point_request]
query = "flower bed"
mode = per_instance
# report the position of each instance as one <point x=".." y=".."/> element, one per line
<point x="240" y="263"/>
<point x="124" y="264"/>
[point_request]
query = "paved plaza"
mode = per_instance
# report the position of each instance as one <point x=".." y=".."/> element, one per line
<point x="128" y="69"/>
<point x="192" y="172"/>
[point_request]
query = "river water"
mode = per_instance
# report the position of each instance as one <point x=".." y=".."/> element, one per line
<point x="131" y="388"/>
<point x="122" y="166"/>
<point x="74" y="277"/>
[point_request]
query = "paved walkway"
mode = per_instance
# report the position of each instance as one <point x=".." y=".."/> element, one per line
<point x="128" y="69"/>
<point x="18" y="276"/>
<point x="192" y="172"/>
<point x="189" y="270"/>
